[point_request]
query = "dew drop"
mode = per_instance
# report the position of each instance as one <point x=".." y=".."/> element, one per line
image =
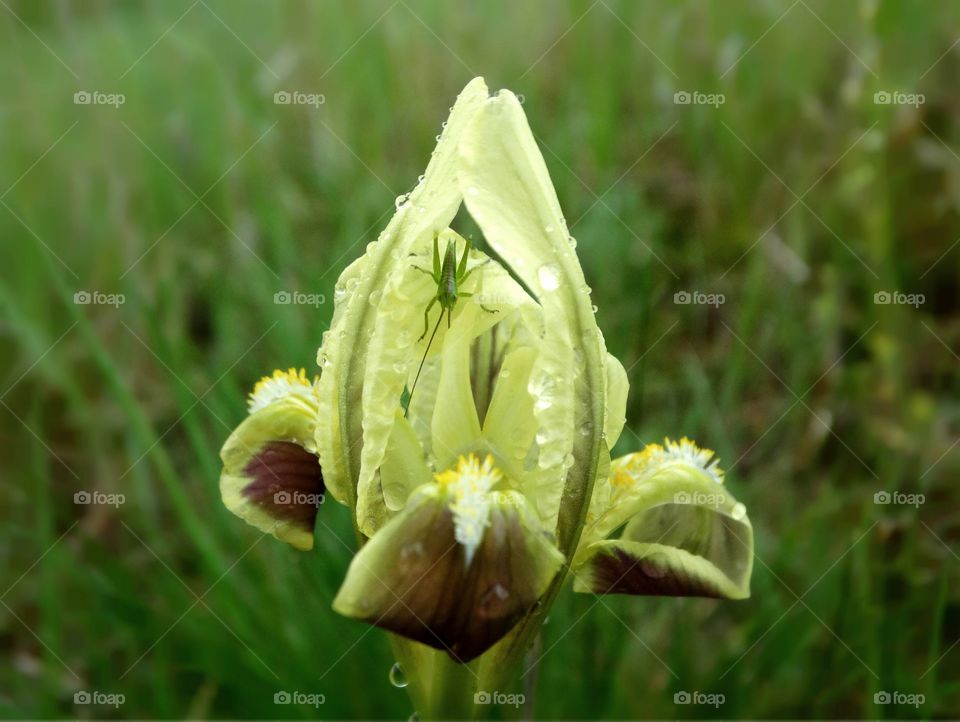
<point x="586" y="428"/>
<point x="401" y="200"/>
<point x="548" y="229"/>
<point x="549" y="276"/>
<point x="414" y="549"/>
<point x="739" y="511"/>
<point x="397" y="677"/>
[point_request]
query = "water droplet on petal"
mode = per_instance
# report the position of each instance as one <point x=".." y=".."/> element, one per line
<point x="739" y="511"/>
<point x="397" y="677"/>
<point x="414" y="549"/>
<point x="549" y="276"/>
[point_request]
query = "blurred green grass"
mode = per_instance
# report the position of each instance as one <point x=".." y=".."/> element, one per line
<point x="815" y="396"/>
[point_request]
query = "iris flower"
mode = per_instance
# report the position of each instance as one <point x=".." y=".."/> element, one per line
<point x="474" y="499"/>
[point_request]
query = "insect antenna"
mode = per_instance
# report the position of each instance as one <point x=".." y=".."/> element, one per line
<point x="406" y="411"/>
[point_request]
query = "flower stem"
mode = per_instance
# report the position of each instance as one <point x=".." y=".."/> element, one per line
<point x="452" y="691"/>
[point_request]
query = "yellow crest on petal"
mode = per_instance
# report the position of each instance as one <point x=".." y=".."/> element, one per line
<point x="280" y="385"/>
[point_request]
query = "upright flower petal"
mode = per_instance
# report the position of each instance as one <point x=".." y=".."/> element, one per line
<point x="508" y="192"/>
<point x="428" y="209"/>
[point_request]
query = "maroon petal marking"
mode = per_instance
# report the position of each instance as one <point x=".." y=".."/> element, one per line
<point x="286" y="482"/>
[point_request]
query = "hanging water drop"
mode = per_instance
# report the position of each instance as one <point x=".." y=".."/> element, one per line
<point x="397" y="677"/>
<point x="739" y="511"/>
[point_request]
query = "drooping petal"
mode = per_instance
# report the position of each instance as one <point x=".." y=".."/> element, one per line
<point x="673" y="550"/>
<point x="414" y="577"/>
<point x="685" y="533"/>
<point x="428" y="209"/>
<point x="271" y="476"/>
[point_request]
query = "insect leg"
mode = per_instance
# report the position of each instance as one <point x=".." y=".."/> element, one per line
<point x="461" y="269"/>
<point x="466" y="275"/>
<point x="424" y="270"/>
<point x="426" y="318"/>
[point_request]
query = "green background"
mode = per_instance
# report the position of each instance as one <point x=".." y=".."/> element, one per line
<point x="798" y="199"/>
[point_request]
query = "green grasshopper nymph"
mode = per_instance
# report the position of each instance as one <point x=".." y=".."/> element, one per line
<point x="449" y="277"/>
